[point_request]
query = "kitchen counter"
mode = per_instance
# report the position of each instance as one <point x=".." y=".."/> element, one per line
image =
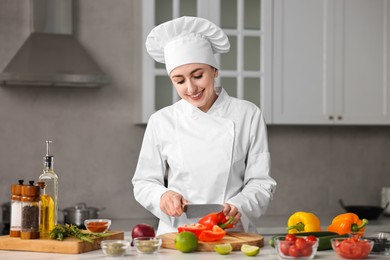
<point x="266" y="252"/>
<point x="269" y="226"/>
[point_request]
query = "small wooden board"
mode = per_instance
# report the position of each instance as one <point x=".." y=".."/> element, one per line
<point x="69" y="245"/>
<point x="236" y="239"/>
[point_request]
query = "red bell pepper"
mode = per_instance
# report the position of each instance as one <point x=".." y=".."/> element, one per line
<point x="218" y="219"/>
<point x="215" y="234"/>
<point x="197" y="228"/>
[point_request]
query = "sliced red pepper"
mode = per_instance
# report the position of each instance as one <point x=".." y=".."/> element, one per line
<point x="215" y="234"/>
<point x="197" y="228"/>
<point x="218" y="219"/>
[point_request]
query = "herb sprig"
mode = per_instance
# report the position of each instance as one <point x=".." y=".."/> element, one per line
<point x="59" y="232"/>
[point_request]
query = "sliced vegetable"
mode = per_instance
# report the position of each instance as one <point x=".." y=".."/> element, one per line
<point x="215" y="234"/>
<point x="303" y="222"/>
<point x="353" y="247"/>
<point x="212" y="219"/>
<point x="348" y="223"/>
<point x="197" y="228"/>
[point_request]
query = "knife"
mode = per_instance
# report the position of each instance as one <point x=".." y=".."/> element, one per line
<point x="200" y="210"/>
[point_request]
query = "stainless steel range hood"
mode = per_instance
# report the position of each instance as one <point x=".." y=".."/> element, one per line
<point x="51" y="56"/>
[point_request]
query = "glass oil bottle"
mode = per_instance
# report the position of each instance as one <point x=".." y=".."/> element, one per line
<point x="46" y="223"/>
<point x="49" y="197"/>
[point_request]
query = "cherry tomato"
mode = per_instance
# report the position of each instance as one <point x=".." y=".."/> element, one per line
<point x="284" y="246"/>
<point x="300" y="243"/>
<point x="290" y="237"/>
<point x="311" y="239"/>
<point x="307" y="251"/>
<point x="293" y="251"/>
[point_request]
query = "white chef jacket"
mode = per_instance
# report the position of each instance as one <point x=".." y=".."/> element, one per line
<point x="214" y="157"/>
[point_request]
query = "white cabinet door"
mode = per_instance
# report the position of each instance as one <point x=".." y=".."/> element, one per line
<point x="302" y="90"/>
<point x="331" y="62"/>
<point x="361" y="63"/>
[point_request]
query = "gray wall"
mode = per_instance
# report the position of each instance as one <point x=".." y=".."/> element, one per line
<point x="96" y="139"/>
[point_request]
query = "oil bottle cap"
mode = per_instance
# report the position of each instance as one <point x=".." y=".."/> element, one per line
<point x="48" y="158"/>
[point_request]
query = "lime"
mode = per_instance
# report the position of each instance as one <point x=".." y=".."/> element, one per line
<point x="186" y="242"/>
<point x="223" y="249"/>
<point x="250" y="250"/>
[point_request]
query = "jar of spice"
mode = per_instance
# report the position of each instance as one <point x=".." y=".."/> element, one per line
<point x="30" y="211"/>
<point x="16" y="209"/>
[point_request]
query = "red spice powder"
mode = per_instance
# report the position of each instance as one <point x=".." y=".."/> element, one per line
<point x="97" y="227"/>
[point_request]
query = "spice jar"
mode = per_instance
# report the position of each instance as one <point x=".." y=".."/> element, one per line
<point x="30" y="211"/>
<point x="16" y="209"/>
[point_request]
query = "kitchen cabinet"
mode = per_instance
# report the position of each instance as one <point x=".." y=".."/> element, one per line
<point x="244" y="72"/>
<point x="331" y="62"/>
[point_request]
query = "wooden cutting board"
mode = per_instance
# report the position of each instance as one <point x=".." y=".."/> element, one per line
<point x="69" y="245"/>
<point x="236" y="239"/>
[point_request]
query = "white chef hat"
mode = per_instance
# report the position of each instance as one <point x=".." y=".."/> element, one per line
<point x="186" y="40"/>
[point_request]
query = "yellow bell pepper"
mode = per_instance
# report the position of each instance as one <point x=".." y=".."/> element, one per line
<point x="303" y="222"/>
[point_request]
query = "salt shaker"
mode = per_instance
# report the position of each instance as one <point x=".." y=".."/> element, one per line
<point x="16" y="209"/>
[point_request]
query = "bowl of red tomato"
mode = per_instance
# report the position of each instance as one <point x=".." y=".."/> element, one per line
<point x="353" y="247"/>
<point x="295" y="246"/>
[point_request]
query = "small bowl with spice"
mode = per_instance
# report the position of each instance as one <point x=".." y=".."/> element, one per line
<point x="114" y="248"/>
<point x="147" y="245"/>
<point x="97" y="226"/>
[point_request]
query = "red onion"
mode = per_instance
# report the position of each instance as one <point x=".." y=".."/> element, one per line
<point x="142" y="230"/>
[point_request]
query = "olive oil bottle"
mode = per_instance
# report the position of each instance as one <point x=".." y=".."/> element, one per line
<point x="46" y="223"/>
<point x="49" y="197"/>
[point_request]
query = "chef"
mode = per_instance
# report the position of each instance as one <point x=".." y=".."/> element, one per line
<point x="208" y="147"/>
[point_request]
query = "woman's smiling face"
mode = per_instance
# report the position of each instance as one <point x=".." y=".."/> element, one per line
<point x="195" y="83"/>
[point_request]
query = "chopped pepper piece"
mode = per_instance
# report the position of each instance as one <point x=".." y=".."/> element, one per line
<point x="215" y="234"/>
<point x="197" y="228"/>
<point x="303" y="222"/>
<point x="218" y="219"/>
<point x="347" y="223"/>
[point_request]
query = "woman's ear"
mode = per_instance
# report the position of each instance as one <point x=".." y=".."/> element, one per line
<point x="215" y="73"/>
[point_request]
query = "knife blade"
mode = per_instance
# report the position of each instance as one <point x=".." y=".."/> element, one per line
<point x="200" y="210"/>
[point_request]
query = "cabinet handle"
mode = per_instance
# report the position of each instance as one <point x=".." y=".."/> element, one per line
<point x="330" y="117"/>
<point x="339" y="117"/>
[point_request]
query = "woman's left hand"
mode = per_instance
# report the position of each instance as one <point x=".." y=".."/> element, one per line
<point x="231" y="210"/>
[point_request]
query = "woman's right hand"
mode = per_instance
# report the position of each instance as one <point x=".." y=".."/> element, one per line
<point x="171" y="203"/>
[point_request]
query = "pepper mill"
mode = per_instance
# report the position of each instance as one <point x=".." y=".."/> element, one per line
<point x="30" y="211"/>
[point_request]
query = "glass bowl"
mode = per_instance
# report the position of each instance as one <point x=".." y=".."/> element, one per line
<point x="381" y="242"/>
<point x="114" y="248"/>
<point x="289" y="250"/>
<point x="147" y="245"/>
<point x="352" y="247"/>
<point x="97" y="225"/>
